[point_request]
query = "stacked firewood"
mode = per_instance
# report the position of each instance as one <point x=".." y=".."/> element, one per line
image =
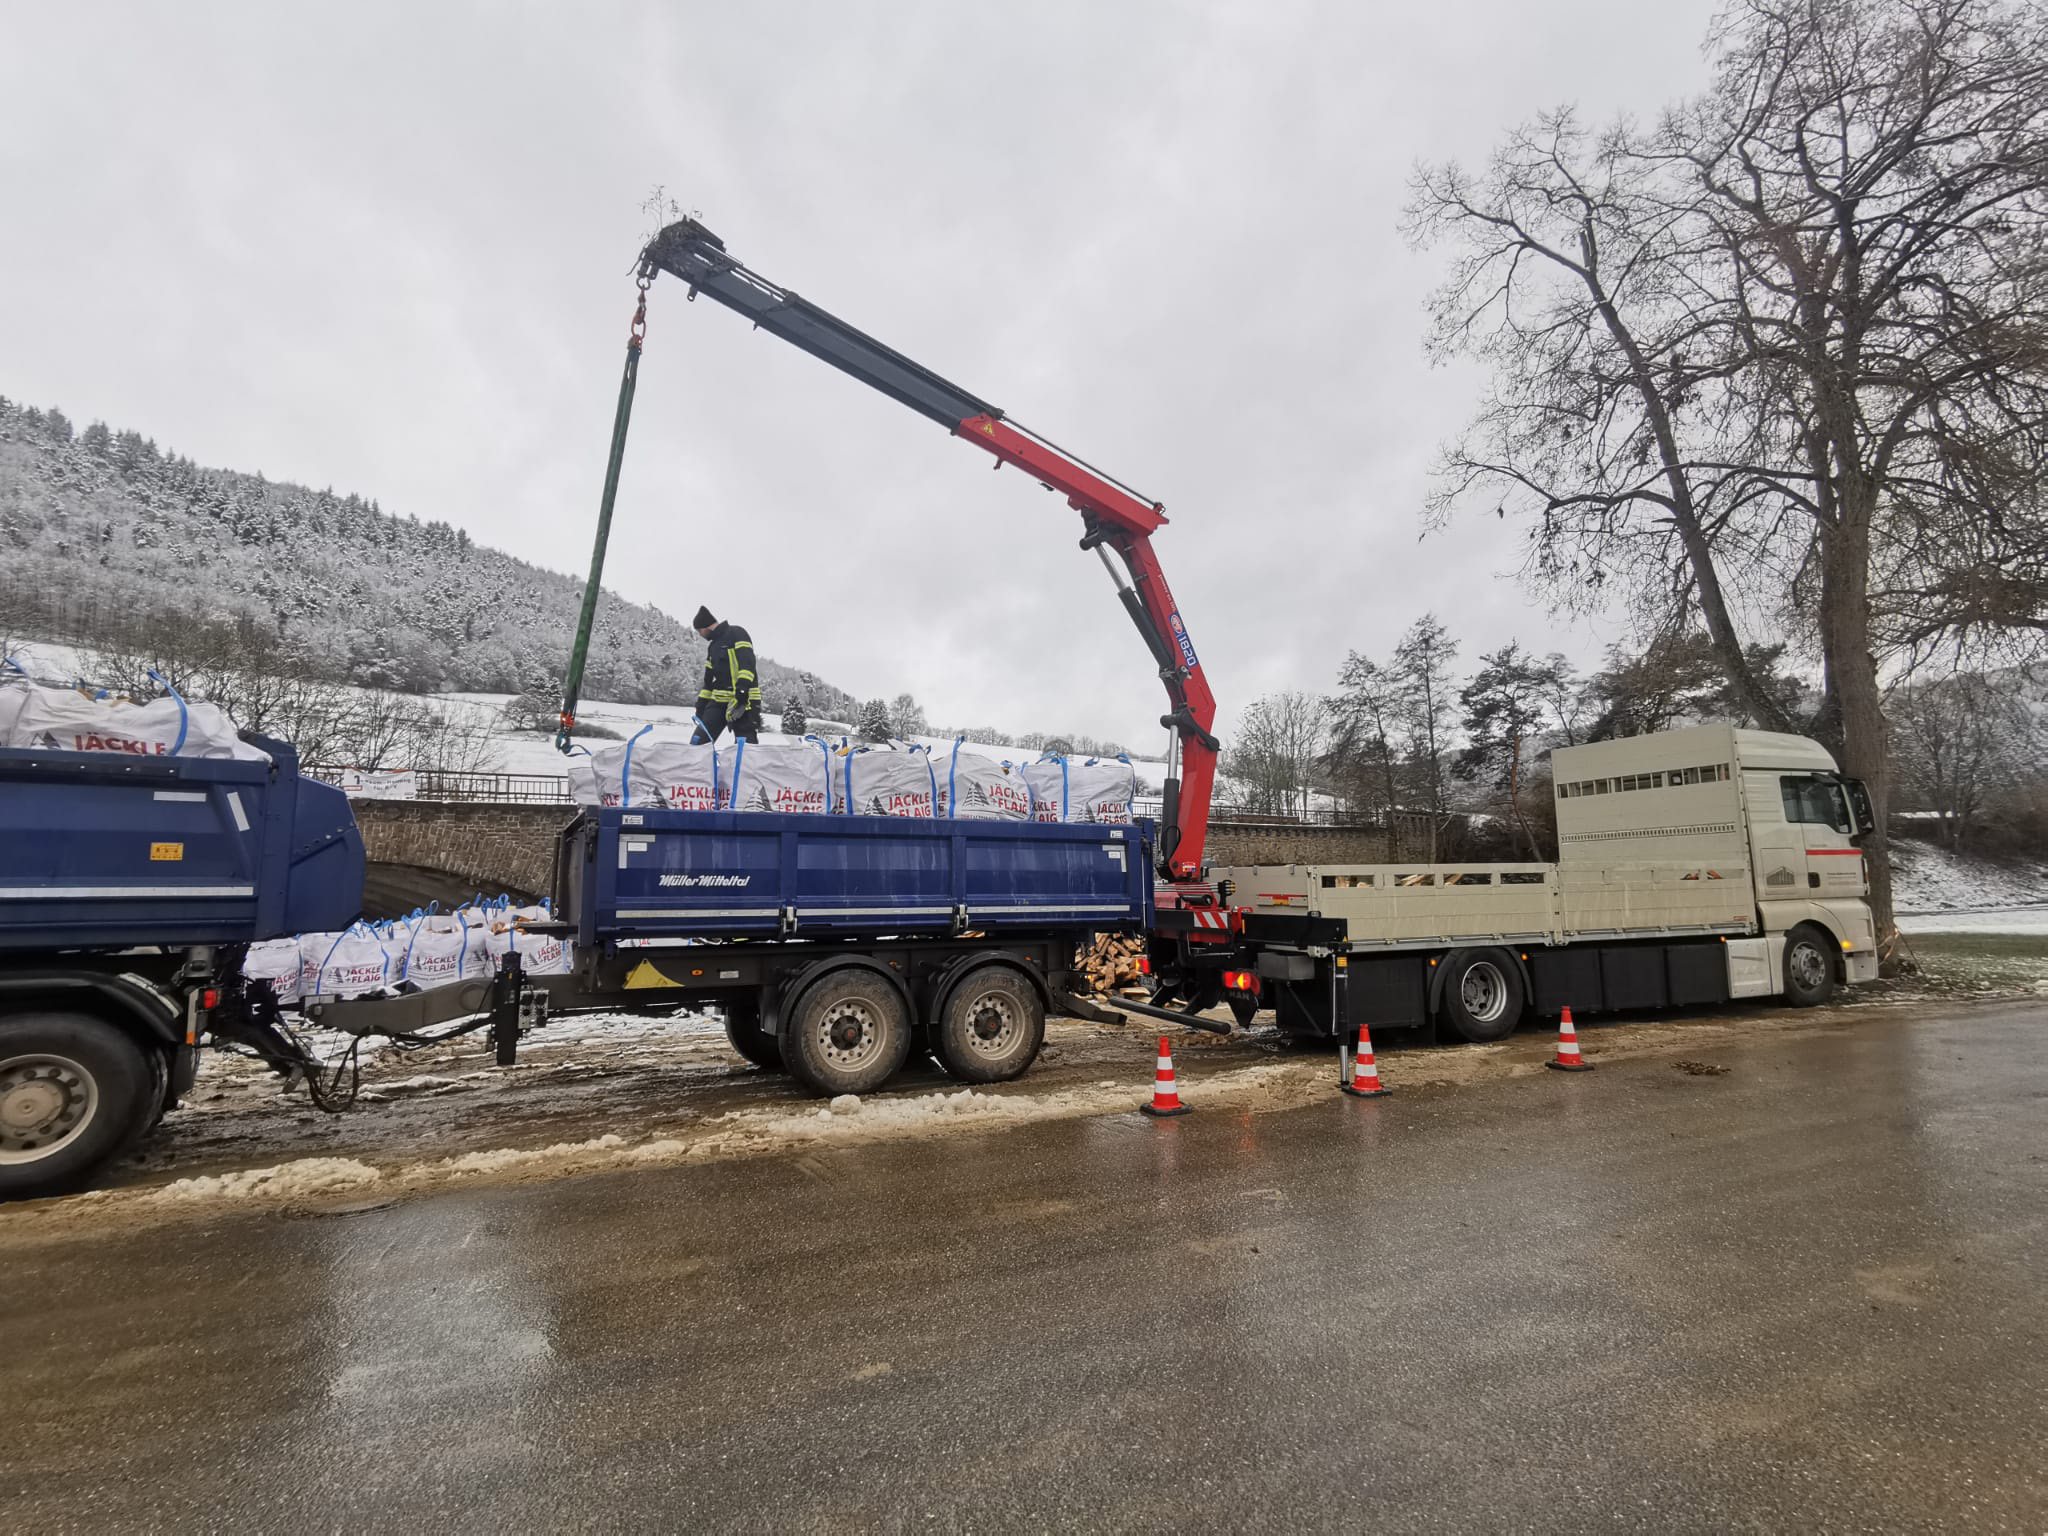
<point x="1111" y="964"/>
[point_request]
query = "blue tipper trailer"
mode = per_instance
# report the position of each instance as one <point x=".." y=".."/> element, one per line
<point x="834" y="946"/>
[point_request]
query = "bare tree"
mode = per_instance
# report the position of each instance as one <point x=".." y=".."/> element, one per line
<point x="1809" y="315"/>
<point x="1960" y="742"/>
<point x="1278" y="746"/>
<point x="1363" y="727"/>
<point x="1426" y="708"/>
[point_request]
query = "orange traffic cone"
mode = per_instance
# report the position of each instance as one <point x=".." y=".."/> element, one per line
<point x="1365" y="1072"/>
<point x="1165" y="1099"/>
<point x="1568" y="1058"/>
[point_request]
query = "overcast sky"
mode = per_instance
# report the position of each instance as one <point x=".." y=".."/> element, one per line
<point x="385" y="247"/>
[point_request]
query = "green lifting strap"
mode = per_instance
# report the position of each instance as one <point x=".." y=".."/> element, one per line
<point x="572" y="685"/>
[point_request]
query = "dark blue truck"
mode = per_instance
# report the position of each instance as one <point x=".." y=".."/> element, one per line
<point x="834" y="946"/>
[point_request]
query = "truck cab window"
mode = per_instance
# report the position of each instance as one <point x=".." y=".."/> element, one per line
<point x="1815" y="800"/>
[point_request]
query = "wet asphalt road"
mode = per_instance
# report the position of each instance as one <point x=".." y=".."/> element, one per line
<point x="1806" y="1292"/>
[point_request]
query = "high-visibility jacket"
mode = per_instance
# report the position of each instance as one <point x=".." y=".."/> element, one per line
<point x="729" y="677"/>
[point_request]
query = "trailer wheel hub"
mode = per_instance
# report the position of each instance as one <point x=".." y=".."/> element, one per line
<point x="992" y="1022"/>
<point x="44" y="1102"/>
<point x="849" y="1033"/>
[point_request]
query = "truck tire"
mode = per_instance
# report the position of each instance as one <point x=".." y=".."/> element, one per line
<point x="1809" y="967"/>
<point x="849" y="1033"/>
<point x="744" y="1034"/>
<point x="1482" y="994"/>
<point x="75" y="1093"/>
<point x="991" y="1027"/>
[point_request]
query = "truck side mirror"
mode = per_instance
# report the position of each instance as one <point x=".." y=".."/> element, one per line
<point x="1859" y="806"/>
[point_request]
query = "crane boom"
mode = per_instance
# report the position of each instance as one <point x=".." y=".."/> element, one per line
<point x="1116" y="519"/>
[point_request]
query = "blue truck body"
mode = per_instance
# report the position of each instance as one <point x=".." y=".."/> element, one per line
<point x="108" y="853"/>
<point x="659" y="874"/>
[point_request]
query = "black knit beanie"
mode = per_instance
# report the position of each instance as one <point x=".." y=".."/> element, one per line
<point x="703" y="619"/>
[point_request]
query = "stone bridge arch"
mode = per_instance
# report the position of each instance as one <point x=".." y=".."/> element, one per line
<point x="424" y="851"/>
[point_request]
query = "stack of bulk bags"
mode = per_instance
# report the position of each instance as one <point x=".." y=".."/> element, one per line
<point x="540" y="954"/>
<point x="792" y="780"/>
<point x="352" y="963"/>
<point x="278" y="962"/>
<point x="62" y="720"/>
<point x="884" y="781"/>
<point x="1097" y="789"/>
<point x="974" y="788"/>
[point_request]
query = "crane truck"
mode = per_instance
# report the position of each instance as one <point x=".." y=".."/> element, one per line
<point x="1697" y="867"/>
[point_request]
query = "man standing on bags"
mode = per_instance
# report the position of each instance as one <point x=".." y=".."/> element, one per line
<point x="730" y="699"/>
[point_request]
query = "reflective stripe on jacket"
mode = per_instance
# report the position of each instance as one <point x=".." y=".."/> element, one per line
<point x="729" y="674"/>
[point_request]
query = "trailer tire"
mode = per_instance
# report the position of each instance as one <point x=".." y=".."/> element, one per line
<point x="75" y="1093"/>
<point x="1482" y="994"/>
<point x="1809" y="966"/>
<point x="848" y="1033"/>
<point x="992" y="1026"/>
<point x="743" y="1032"/>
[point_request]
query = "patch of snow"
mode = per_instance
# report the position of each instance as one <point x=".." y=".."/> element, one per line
<point x="506" y="1158"/>
<point x="1927" y="878"/>
<point x="306" y="1176"/>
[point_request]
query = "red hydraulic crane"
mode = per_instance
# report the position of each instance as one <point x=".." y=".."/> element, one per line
<point x="1117" y="521"/>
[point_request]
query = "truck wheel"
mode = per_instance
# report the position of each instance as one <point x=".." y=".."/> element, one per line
<point x="75" y="1093"/>
<point x="991" y="1027"/>
<point x="744" y="1034"/>
<point x="1482" y="995"/>
<point x="1809" y="967"/>
<point x="849" y="1033"/>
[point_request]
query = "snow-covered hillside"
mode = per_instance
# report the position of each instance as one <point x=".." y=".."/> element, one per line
<point x="1936" y="891"/>
<point x="105" y="533"/>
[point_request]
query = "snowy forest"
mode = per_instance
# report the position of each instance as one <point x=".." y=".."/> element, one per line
<point x="107" y="538"/>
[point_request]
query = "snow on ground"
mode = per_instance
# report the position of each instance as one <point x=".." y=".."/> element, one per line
<point x="1937" y="891"/>
<point x="2012" y="920"/>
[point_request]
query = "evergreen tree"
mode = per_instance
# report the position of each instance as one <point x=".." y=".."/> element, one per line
<point x="794" y="721"/>
<point x="1504" y="711"/>
<point x="873" y="723"/>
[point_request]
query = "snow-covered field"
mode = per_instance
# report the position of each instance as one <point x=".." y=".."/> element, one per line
<point x="1936" y="891"/>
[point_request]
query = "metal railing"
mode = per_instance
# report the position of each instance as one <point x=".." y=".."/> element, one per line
<point x="473" y="788"/>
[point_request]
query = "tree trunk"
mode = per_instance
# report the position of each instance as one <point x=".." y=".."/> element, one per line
<point x="1853" y="686"/>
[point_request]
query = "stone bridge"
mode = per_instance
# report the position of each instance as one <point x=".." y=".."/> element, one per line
<point x="424" y="851"/>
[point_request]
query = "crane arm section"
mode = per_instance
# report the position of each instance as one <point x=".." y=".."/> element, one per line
<point x="1116" y="519"/>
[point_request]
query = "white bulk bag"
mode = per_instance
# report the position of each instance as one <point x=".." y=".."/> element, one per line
<point x="437" y="954"/>
<point x="792" y="779"/>
<point x="1097" y="789"/>
<point x="540" y="954"/>
<point x="397" y="940"/>
<point x="346" y="964"/>
<point x="14" y="693"/>
<point x="583" y="788"/>
<point x="974" y="788"/>
<point x="276" y="961"/>
<point x="882" y="781"/>
<point x="678" y="775"/>
<point x="62" y="720"/>
<point x="1101" y="790"/>
<point x="477" y="917"/>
